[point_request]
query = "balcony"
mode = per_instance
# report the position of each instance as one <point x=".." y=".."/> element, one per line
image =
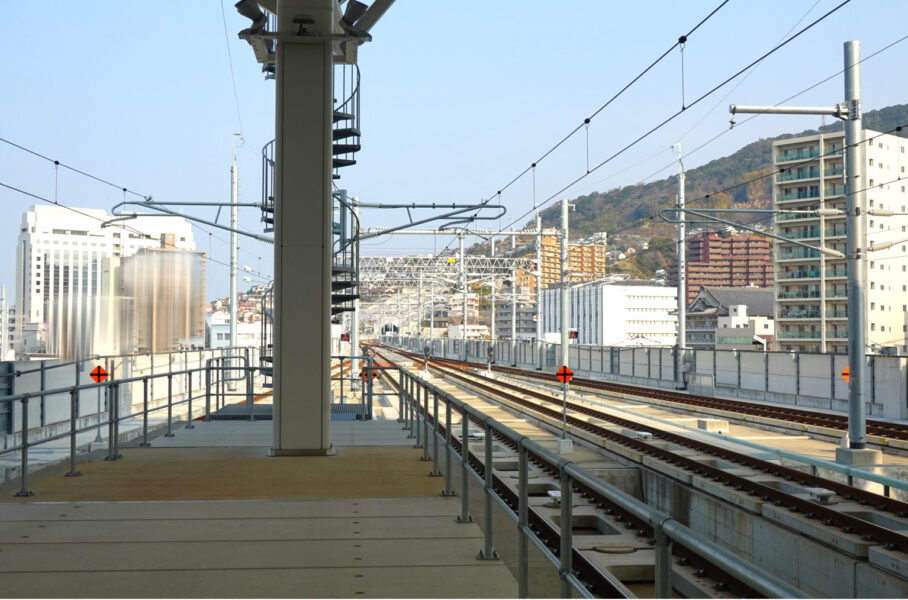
<point x="799" y="254"/>
<point x="833" y="151"/>
<point x="834" y="190"/>
<point x="835" y="232"/>
<point x="790" y="294"/>
<point x="801" y="234"/>
<point x="799" y="275"/>
<point x="810" y="335"/>
<point x="836" y="314"/>
<point x="802" y="195"/>
<point x="837" y="294"/>
<point x="840" y="335"/>
<point x="794" y="216"/>
<point x="798" y="175"/>
<point x="836" y="272"/>
<point x="798" y="155"/>
<point x="800" y="314"/>
<point x="833" y="171"/>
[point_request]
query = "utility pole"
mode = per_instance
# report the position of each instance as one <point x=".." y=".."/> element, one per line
<point x="857" y="453"/>
<point x="539" y="345"/>
<point x="354" y="316"/>
<point x="564" y="444"/>
<point x="492" y="320"/>
<point x="234" y="251"/>
<point x="513" y="316"/>
<point x="463" y="289"/>
<point x="681" y="349"/>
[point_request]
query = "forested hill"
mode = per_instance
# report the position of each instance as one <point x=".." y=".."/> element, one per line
<point x="633" y="209"/>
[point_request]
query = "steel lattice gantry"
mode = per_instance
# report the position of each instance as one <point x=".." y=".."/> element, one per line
<point x="408" y="270"/>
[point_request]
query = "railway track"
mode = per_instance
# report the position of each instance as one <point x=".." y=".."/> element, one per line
<point x="596" y="582"/>
<point x="875" y="427"/>
<point x="594" y="421"/>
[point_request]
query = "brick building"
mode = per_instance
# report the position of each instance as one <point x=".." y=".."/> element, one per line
<point x="721" y="260"/>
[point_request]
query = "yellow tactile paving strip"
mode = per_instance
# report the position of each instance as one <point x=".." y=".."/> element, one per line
<point x="228" y="473"/>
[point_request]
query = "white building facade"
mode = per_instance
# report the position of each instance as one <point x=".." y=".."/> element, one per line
<point x="811" y="289"/>
<point x="615" y="315"/>
<point x="66" y="265"/>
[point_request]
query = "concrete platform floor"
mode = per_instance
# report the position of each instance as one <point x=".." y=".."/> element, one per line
<point x="193" y="517"/>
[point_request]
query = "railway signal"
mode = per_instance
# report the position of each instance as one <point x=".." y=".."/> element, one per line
<point x="345" y="337"/>
<point x="564" y="374"/>
<point x="99" y="374"/>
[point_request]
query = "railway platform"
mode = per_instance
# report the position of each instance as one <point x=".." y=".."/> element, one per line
<point x="209" y="514"/>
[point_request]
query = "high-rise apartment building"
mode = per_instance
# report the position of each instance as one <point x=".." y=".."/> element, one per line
<point x="586" y="260"/>
<point x="67" y="291"/>
<point x="725" y="260"/>
<point x="811" y="288"/>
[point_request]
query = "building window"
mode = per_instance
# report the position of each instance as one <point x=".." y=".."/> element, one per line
<point x="873" y="327"/>
<point x="871" y="162"/>
<point x="873" y="306"/>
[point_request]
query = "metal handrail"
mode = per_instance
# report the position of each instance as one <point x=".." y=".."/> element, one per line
<point x="114" y="417"/>
<point x="666" y="528"/>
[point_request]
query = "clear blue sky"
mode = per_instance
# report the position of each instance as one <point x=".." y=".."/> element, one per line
<point x="458" y="98"/>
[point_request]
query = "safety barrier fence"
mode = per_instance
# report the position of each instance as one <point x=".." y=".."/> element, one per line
<point x="217" y="373"/>
<point x="423" y="421"/>
<point x="811" y="380"/>
<point x="847" y="473"/>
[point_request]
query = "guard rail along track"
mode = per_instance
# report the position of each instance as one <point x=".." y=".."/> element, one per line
<point x="892" y="540"/>
<point x="669" y="537"/>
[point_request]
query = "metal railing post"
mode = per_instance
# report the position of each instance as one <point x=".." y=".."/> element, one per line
<point x="566" y="529"/>
<point x="23" y="461"/>
<point x="663" y="574"/>
<point x="425" y="425"/>
<point x="400" y="396"/>
<point x="72" y="434"/>
<point x="435" y="472"/>
<point x="169" y="406"/>
<point x="43" y="419"/>
<point x="189" y="424"/>
<point x="250" y="397"/>
<point x="411" y="409"/>
<point x="449" y="488"/>
<point x="207" y="390"/>
<point x="145" y="441"/>
<point x="523" y="513"/>
<point x="488" y="551"/>
<point x="115" y="411"/>
<point x="465" y="465"/>
<point x="108" y="393"/>
<point x="418" y="421"/>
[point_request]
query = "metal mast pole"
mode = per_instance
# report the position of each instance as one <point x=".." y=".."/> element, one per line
<point x="492" y="319"/>
<point x="855" y="183"/>
<point x="681" y="352"/>
<point x="419" y="310"/>
<point x="514" y="316"/>
<point x="463" y="289"/>
<point x="565" y="322"/>
<point x="539" y="289"/>
<point x="354" y="316"/>
<point x="234" y="248"/>
<point x="855" y="245"/>
<point x="432" y="310"/>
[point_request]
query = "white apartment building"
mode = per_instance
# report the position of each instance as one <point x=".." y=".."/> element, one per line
<point x="811" y="288"/>
<point x="7" y="327"/>
<point x="66" y="264"/>
<point x="615" y="315"/>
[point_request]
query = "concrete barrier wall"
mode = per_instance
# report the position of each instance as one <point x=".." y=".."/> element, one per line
<point x="809" y="380"/>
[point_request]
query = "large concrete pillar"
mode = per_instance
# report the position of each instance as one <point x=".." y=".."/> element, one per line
<point x="302" y="227"/>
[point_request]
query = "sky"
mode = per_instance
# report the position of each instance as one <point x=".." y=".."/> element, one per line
<point x="458" y="99"/>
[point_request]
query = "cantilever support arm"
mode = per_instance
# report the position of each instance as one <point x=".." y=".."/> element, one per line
<point x="158" y="207"/>
<point x="703" y="215"/>
<point x="455" y="215"/>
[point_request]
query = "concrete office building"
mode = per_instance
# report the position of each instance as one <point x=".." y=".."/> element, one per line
<point x="811" y="289"/>
<point x="66" y="277"/>
<point x="616" y="315"/>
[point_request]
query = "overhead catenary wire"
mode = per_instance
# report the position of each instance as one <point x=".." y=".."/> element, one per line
<point x="84" y="214"/>
<point x="675" y="115"/>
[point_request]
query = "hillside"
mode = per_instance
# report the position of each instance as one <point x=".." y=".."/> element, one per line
<point x="632" y="210"/>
